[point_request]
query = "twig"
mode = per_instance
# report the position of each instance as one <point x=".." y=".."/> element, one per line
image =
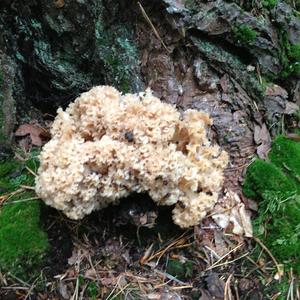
<point x="219" y="260"/>
<point x="31" y="288"/>
<point x="18" y="279"/>
<point x="169" y="276"/>
<point x="174" y="288"/>
<point x="213" y="252"/>
<point x="228" y="262"/>
<point x="23" y="200"/>
<point x="257" y="240"/>
<point x="113" y="290"/>
<point x="258" y="267"/>
<point x="290" y="295"/>
<point x="152" y="26"/>
<point x="30" y="171"/>
<point x="120" y="291"/>
<point x="75" y="295"/>
<point x="227" y="291"/>
<point x="180" y="240"/>
<point x="15" y="288"/>
<point x="27" y="187"/>
<point x="5" y="197"/>
<point x="145" y="257"/>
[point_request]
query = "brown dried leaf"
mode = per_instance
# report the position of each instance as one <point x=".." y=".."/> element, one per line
<point x="91" y="273"/>
<point x="233" y="212"/>
<point x="263" y="139"/>
<point x="34" y="131"/>
<point x="215" y="286"/>
<point x="220" y="244"/>
<point x="262" y="150"/>
<point x="107" y="281"/>
<point x="261" y="134"/>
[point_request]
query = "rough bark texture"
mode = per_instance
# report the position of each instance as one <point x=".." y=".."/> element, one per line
<point x="7" y="104"/>
<point x="220" y="56"/>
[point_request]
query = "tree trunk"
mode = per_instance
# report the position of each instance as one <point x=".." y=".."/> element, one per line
<point x="239" y="62"/>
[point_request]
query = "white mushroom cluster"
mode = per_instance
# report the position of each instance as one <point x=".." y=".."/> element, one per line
<point x="107" y="145"/>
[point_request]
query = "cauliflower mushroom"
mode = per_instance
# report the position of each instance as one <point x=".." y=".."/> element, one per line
<point x="107" y="145"/>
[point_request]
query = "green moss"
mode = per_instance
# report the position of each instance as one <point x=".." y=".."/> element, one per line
<point x="92" y="290"/>
<point x="263" y="176"/>
<point x="294" y="52"/>
<point x="179" y="269"/>
<point x="22" y="241"/>
<point x="244" y="34"/>
<point x="269" y="3"/>
<point x="278" y="288"/>
<point x="276" y="184"/>
<point x="285" y="154"/>
<point x="289" y="56"/>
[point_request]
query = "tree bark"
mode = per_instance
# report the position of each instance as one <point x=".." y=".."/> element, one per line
<point x="236" y="61"/>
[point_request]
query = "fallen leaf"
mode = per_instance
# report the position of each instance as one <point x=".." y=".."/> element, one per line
<point x="215" y="286"/>
<point x="290" y="108"/>
<point x="220" y="245"/>
<point x="205" y="295"/>
<point x="34" y="131"/>
<point x="90" y="273"/>
<point x="107" y="281"/>
<point x="276" y="90"/>
<point x="261" y="134"/>
<point x="263" y="139"/>
<point x="263" y="150"/>
<point x="233" y="211"/>
<point x="63" y="290"/>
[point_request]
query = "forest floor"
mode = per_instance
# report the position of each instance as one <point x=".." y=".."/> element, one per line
<point x="134" y="251"/>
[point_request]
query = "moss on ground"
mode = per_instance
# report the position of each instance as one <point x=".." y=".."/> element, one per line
<point x="276" y="185"/>
<point x="274" y="180"/>
<point x="182" y="270"/>
<point x="285" y="154"/>
<point x="22" y="241"/>
<point x="92" y="290"/>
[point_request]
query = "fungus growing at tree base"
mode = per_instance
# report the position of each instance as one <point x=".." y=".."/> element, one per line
<point x="107" y="145"/>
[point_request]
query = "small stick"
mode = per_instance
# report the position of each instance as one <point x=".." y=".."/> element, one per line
<point x="30" y="171"/>
<point x="19" y="280"/>
<point x="227" y="291"/>
<point x="257" y="240"/>
<point x="23" y="200"/>
<point x="219" y="260"/>
<point x="152" y="26"/>
<point x="228" y="262"/>
<point x="174" y="288"/>
<point x="27" y="187"/>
